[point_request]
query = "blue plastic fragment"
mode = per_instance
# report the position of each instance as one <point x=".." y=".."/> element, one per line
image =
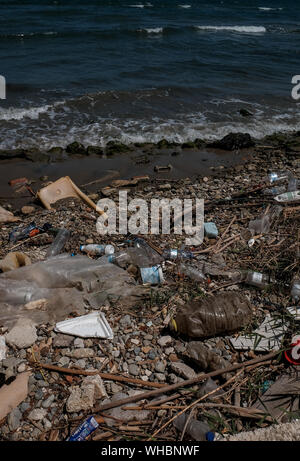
<point x="210" y="436"/>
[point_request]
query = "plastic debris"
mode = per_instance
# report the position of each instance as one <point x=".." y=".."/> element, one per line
<point x="222" y="313"/>
<point x="84" y="430"/>
<point x="288" y="197"/>
<point x="64" y="188"/>
<point x="152" y="275"/>
<point x="198" y="430"/>
<point x="292" y="354"/>
<point x="58" y="243"/>
<point x="92" y="325"/>
<point x="21" y="233"/>
<point x="210" y="230"/>
<point x="95" y="249"/>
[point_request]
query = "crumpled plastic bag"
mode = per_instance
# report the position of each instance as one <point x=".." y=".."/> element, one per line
<point x="70" y="284"/>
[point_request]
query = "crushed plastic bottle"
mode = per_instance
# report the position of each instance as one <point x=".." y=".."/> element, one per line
<point x="295" y="289"/>
<point x="225" y="312"/>
<point x="95" y="249"/>
<point x="197" y="430"/>
<point x="259" y="280"/>
<point x="192" y="272"/>
<point x="58" y="243"/>
<point x="263" y="224"/>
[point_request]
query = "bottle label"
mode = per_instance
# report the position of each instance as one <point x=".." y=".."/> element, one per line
<point x="152" y="275"/>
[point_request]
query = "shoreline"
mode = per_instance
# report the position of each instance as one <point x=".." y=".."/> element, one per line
<point x="118" y="161"/>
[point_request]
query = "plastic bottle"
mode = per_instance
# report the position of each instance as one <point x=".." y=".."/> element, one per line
<point x="192" y="272"/>
<point x="150" y="255"/>
<point x="288" y="197"/>
<point x="16" y="292"/>
<point x="278" y="176"/>
<point x="177" y="254"/>
<point x="295" y="289"/>
<point x="275" y="190"/>
<point x="211" y="316"/>
<point x="293" y="184"/>
<point x="257" y="279"/>
<point x="58" y="243"/>
<point x="197" y="430"/>
<point x="95" y="249"/>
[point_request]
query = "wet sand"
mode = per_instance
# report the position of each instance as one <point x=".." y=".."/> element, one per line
<point x="84" y="170"/>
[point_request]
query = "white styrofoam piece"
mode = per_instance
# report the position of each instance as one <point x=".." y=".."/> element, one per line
<point x="2" y="348"/>
<point x="266" y="337"/>
<point x="92" y="325"/>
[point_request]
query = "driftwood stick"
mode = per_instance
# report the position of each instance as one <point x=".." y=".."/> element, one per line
<point x="188" y="382"/>
<point x="109" y="376"/>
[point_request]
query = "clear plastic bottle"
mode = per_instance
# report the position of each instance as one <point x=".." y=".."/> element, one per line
<point x="295" y="289"/>
<point x="275" y="190"/>
<point x="257" y="279"/>
<point x="193" y="272"/>
<point x="293" y="196"/>
<point x="197" y="430"/>
<point x="177" y="254"/>
<point x="278" y="176"/>
<point x="149" y="254"/>
<point x="58" y="243"/>
<point x="95" y="249"/>
<point x="293" y="184"/>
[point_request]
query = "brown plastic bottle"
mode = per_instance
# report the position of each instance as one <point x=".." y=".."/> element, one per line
<point x="223" y="313"/>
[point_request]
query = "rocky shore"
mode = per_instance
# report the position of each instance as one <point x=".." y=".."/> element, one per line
<point x="144" y="347"/>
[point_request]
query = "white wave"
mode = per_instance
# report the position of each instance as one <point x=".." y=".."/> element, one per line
<point x="137" y="6"/>
<point x="184" y="6"/>
<point x="241" y="29"/>
<point x="266" y="8"/>
<point x="154" y="30"/>
<point x="33" y="113"/>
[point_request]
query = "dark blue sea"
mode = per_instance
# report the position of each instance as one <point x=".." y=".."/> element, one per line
<point x="130" y="70"/>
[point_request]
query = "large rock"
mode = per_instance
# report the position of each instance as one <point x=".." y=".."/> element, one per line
<point x="233" y="141"/>
<point x="84" y="397"/>
<point x="22" y="335"/>
<point x="76" y="148"/>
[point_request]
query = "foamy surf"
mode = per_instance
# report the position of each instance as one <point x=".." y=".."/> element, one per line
<point x="153" y="30"/>
<point x="266" y="8"/>
<point x="240" y="29"/>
